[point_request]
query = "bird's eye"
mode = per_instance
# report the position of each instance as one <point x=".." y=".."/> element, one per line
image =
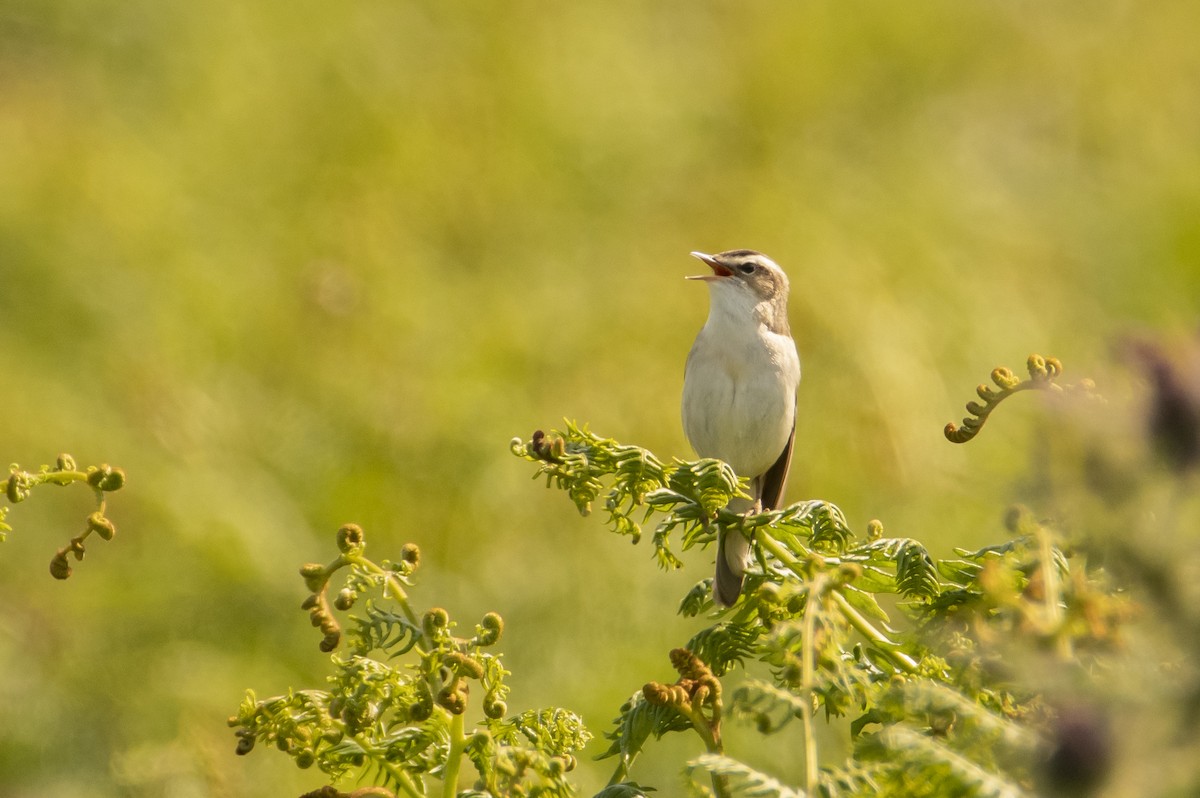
<point x="747" y="268"/>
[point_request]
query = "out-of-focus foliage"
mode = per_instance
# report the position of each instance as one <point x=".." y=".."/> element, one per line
<point x="292" y="264"/>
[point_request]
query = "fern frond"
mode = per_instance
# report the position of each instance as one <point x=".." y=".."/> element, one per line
<point x="925" y="697"/>
<point x="916" y="575"/>
<point x="769" y="706"/>
<point x="626" y="789"/>
<point x="817" y="524"/>
<point x="725" y="644"/>
<point x="556" y="731"/>
<point x="916" y="757"/>
<point x="1043" y="375"/>
<point x="851" y="780"/>
<point x="384" y="630"/>
<point x="900" y="565"/>
<point x="741" y="777"/>
<point x="638" y="720"/>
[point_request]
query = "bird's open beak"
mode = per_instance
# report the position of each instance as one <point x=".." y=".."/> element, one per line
<point x="719" y="271"/>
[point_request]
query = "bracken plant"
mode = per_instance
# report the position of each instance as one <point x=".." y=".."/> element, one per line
<point x="396" y="707"/>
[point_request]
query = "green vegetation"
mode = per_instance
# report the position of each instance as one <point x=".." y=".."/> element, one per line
<point x="400" y="723"/>
<point x="993" y="673"/>
<point x="101" y="479"/>
<point x="295" y="265"/>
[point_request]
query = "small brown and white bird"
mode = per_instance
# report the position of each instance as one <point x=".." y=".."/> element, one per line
<point x="739" y="391"/>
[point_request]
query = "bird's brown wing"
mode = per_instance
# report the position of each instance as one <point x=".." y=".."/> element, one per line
<point x="776" y="477"/>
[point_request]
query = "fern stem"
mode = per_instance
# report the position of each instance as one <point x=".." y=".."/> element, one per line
<point x="710" y="733"/>
<point x="621" y="772"/>
<point x="458" y="742"/>
<point x="403" y="782"/>
<point x="882" y="642"/>
<point x="1052" y="595"/>
<point x="394" y="589"/>
<point x="860" y="624"/>
<point x="808" y="675"/>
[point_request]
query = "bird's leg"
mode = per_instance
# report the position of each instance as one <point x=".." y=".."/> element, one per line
<point x="754" y="509"/>
<point x="756" y="491"/>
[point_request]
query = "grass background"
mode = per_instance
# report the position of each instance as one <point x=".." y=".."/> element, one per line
<point x="293" y="265"/>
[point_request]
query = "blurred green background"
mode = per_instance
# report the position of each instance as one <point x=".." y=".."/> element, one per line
<point x="298" y="264"/>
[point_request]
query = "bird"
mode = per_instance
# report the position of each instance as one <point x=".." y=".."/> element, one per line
<point x="739" y="392"/>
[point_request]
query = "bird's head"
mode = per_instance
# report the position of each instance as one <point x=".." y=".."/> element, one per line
<point x="745" y="283"/>
<point x="745" y="270"/>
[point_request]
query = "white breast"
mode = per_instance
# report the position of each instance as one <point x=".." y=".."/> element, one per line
<point x="739" y="393"/>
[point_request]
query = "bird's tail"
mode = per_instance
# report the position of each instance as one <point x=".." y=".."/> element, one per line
<point x="733" y="554"/>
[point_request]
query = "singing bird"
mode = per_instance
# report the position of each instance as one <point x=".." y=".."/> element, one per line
<point x="739" y="392"/>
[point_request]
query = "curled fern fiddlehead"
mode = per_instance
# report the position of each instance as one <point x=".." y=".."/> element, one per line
<point x="1043" y="375"/>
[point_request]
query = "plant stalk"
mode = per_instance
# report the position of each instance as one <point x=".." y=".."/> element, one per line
<point x="852" y="616"/>
<point x="458" y="742"/>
